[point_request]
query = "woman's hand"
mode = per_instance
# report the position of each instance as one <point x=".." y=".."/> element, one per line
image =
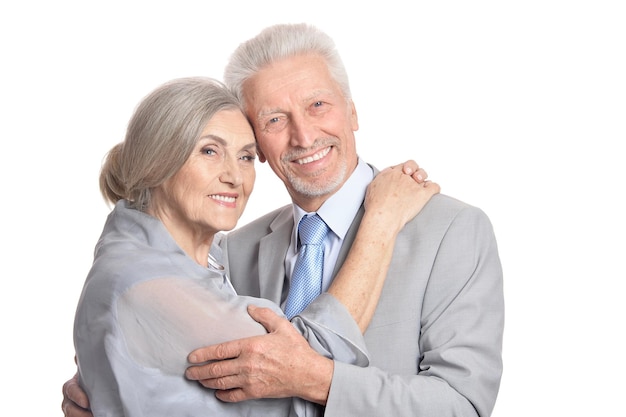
<point x="398" y="193"/>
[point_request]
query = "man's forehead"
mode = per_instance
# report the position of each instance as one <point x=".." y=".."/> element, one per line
<point x="281" y="103"/>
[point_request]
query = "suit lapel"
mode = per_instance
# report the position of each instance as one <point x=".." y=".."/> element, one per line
<point x="348" y="240"/>
<point x="272" y="253"/>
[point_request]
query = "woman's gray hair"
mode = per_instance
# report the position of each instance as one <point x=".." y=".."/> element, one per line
<point x="278" y="42"/>
<point x="160" y="136"/>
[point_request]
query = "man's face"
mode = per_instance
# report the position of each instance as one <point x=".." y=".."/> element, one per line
<point x="304" y="127"/>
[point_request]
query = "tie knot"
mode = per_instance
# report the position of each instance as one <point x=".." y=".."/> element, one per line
<point x="312" y="230"/>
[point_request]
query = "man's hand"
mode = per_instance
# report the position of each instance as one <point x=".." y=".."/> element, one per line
<point x="75" y="402"/>
<point x="277" y="365"/>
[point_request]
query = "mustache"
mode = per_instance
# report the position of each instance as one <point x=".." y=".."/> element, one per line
<point x="298" y="151"/>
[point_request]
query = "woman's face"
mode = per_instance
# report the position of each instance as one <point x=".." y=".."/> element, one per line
<point x="211" y="190"/>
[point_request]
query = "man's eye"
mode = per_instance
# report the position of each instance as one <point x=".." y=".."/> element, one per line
<point x="318" y="104"/>
<point x="275" y="124"/>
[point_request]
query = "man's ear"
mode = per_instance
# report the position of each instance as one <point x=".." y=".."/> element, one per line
<point x="259" y="152"/>
<point x="353" y="117"/>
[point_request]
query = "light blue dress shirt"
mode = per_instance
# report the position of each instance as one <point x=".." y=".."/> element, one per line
<point x="338" y="212"/>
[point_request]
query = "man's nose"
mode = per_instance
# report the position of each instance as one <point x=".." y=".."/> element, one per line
<point x="303" y="132"/>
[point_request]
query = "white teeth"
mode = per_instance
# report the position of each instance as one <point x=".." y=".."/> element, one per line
<point x="315" y="157"/>
<point x="223" y="198"/>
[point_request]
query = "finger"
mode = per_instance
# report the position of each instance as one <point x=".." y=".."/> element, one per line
<point x="75" y="394"/>
<point x="268" y="318"/>
<point x="224" y="383"/>
<point x="226" y="350"/>
<point x="433" y="186"/>
<point x="232" y="395"/>
<point x="72" y="410"/>
<point x="420" y="175"/>
<point x="210" y="371"/>
<point x="410" y="166"/>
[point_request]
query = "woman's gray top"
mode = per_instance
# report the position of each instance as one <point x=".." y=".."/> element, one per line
<point x="146" y="304"/>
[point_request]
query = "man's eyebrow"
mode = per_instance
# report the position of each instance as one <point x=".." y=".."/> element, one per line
<point x="315" y="94"/>
<point x="270" y="111"/>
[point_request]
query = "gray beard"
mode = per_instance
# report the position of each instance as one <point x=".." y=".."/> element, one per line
<point x="313" y="189"/>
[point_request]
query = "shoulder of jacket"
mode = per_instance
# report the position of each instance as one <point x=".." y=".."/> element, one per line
<point x="264" y="224"/>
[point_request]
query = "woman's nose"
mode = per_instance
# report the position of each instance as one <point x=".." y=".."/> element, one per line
<point x="231" y="172"/>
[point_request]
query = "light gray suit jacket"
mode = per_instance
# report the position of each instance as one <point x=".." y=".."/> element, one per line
<point x="435" y="340"/>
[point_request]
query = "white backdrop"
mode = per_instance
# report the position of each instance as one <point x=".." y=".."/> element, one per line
<point x="516" y="107"/>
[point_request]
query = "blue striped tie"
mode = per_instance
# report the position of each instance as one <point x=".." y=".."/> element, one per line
<point x="306" y="281"/>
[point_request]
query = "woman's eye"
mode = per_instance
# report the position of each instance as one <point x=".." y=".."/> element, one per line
<point x="208" y="151"/>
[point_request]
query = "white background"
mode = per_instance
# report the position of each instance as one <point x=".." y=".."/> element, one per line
<point x="516" y="107"/>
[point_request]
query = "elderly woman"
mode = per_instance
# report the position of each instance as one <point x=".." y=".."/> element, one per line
<point x="157" y="290"/>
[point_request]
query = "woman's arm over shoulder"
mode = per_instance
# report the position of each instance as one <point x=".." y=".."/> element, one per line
<point x="164" y="319"/>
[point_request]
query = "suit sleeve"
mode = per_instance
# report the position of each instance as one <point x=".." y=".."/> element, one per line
<point x="331" y="331"/>
<point x="462" y="322"/>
